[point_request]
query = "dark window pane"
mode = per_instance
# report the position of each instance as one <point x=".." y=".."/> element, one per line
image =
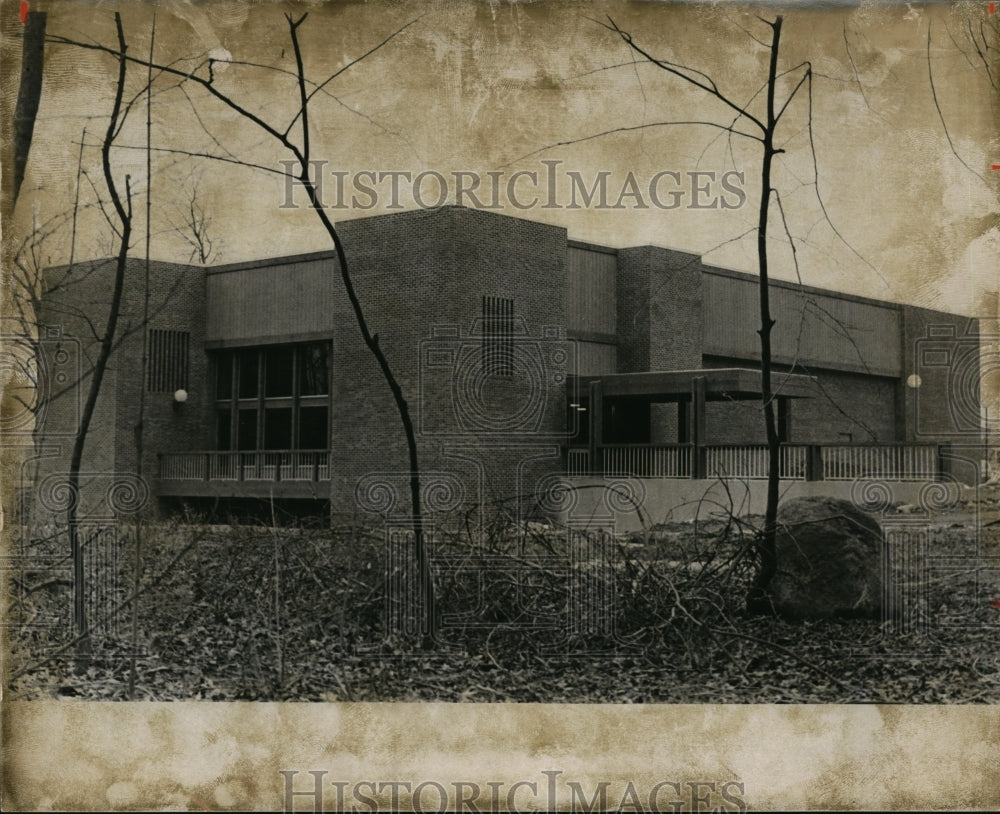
<point x="314" y="370"/>
<point x="278" y="371"/>
<point x="248" y="373"/>
<point x="313" y="433"/>
<point x="278" y="428"/>
<point x="247" y="431"/>
<point x="224" y="375"/>
<point x="223" y="429"/>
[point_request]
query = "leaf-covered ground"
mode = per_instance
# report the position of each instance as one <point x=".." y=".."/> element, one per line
<point x="250" y="613"/>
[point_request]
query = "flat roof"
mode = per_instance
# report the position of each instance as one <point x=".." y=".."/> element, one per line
<point x="736" y="383"/>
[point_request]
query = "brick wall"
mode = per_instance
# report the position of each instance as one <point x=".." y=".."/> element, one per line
<point x="659" y="320"/>
<point x="848" y="406"/>
<point x="421" y="277"/>
<point x="943" y="351"/>
<point x="76" y="305"/>
<point x="176" y="303"/>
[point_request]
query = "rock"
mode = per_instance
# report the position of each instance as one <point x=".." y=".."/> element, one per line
<point x="829" y="561"/>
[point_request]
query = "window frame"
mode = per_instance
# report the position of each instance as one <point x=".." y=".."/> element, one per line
<point x="261" y="402"/>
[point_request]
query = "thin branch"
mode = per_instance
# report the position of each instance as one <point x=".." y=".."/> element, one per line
<point x="819" y="196"/>
<point x="677" y="70"/>
<point x="100" y="204"/>
<point x="982" y="56"/>
<point x="313" y="84"/>
<point x="958" y="47"/>
<point x="127" y="107"/>
<point x="605" y="68"/>
<point x="795" y="90"/>
<point x="788" y="234"/>
<point x="937" y="106"/>
<point x="303" y="96"/>
<point x="747" y="31"/>
<point x="365" y="55"/>
<point x="854" y="68"/>
<point x="204" y="127"/>
<point x="207" y="84"/>
<point x="196" y="154"/>
<point x="628" y="130"/>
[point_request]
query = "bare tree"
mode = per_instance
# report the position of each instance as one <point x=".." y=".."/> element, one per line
<point x="760" y="128"/>
<point x="979" y="44"/>
<point x="195" y="226"/>
<point x="299" y="149"/>
<point x="121" y="221"/>
<point x="29" y="93"/>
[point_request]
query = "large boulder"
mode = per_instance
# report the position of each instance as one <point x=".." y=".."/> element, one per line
<point x="829" y="561"/>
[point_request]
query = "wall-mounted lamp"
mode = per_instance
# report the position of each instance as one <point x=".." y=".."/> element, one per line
<point x="180" y="396"/>
<point x="913" y="381"/>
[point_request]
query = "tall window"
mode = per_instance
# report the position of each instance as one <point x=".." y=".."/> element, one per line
<point x="498" y="336"/>
<point x="273" y="397"/>
<point x="168" y="361"/>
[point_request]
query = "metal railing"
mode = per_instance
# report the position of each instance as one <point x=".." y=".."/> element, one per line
<point x="646" y="461"/>
<point x="885" y="461"/>
<point x="577" y="461"/>
<point x="281" y="465"/>
<point x="750" y="461"/>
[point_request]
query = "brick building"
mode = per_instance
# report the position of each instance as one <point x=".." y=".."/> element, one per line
<point x="515" y="347"/>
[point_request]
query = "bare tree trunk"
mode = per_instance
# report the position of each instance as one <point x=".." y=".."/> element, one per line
<point x="29" y="93"/>
<point x="124" y="212"/>
<point x="429" y="621"/>
<point x="767" y="545"/>
<point x="429" y="616"/>
<point x="766" y="126"/>
<point x="140" y="427"/>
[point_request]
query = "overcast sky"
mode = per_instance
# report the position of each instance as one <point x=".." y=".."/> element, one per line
<point x="479" y="88"/>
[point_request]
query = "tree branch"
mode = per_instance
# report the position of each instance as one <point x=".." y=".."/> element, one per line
<point x="629" y="130"/>
<point x="854" y="68"/>
<point x="937" y="107"/>
<point x="676" y="70"/>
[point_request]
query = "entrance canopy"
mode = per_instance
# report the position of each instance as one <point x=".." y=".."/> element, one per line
<point x="618" y="404"/>
<point x="717" y="384"/>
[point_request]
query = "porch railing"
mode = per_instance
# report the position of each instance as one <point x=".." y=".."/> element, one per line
<point x="279" y="465"/>
<point x="577" y="461"/>
<point x="639" y="460"/>
<point x="892" y="462"/>
<point x="749" y="461"/>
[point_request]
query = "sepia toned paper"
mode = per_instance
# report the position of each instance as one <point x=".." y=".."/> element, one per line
<point x="888" y="185"/>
